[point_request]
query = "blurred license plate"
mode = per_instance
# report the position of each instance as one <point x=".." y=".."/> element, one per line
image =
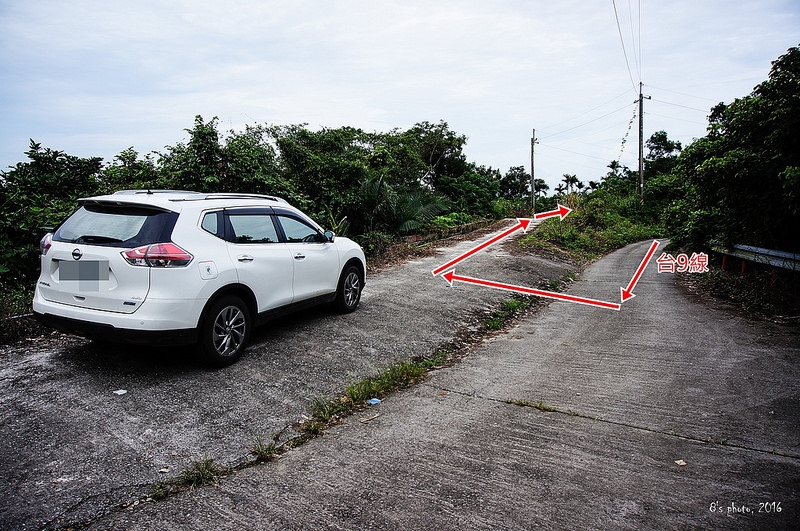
<point x="91" y="270"/>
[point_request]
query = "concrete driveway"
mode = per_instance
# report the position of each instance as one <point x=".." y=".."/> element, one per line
<point x="86" y="428"/>
<point x="672" y="413"/>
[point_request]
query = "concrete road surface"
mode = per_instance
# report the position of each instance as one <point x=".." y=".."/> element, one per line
<point x="672" y="413"/>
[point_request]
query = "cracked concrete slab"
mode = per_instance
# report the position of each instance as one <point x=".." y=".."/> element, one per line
<point x="672" y="413"/>
<point x="72" y="449"/>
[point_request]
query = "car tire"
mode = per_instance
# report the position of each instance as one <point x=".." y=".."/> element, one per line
<point x="225" y="331"/>
<point x="348" y="292"/>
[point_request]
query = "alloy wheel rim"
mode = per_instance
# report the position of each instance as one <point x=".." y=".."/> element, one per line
<point x="352" y="286"/>
<point x="229" y="330"/>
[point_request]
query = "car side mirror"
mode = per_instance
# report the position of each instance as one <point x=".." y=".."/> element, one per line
<point x="329" y="236"/>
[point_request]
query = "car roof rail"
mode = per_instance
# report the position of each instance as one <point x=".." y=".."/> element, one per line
<point x="233" y="195"/>
<point x="148" y="191"/>
<point x="196" y="196"/>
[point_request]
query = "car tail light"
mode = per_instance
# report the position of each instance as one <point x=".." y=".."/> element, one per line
<point x="46" y="243"/>
<point x="158" y="255"/>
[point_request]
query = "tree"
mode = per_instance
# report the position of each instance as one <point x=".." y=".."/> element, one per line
<point x="662" y="154"/>
<point x="199" y="164"/>
<point x="473" y="191"/>
<point x="570" y="181"/>
<point x="743" y="178"/>
<point x="129" y="171"/>
<point x="540" y="187"/>
<point x="35" y="197"/>
<point x="439" y="150"/>
<point x="516" y="183"/>
<point x="329" y="167"/>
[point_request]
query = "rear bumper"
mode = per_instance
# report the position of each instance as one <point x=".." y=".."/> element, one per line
<point x="107" y="332"/>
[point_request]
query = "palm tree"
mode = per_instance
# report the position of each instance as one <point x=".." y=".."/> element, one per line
<point x="379" y="200"/>
<point x="415" y="209"/>
<point x="570" y="181"/>
<point x="540" y="187"/>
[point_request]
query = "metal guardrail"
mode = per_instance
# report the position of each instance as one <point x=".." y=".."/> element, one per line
<point x="784" y="260"/>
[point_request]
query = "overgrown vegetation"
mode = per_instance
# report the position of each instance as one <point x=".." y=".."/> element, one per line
<point x="600" y="222"/>
<point x="759" y="291"/>
<point x="373" y="187"/>
<point x="739" y="184"/>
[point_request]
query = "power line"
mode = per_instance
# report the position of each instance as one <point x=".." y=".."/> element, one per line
<point x="551" y="126"/>
<point x="637" y="57"/>
<point x="683" y="106"/>
<point x="682" y="93"/>
<point x="622" y="41"/>
<point x="574" y="152"/>
<point x="587" y="123"/>
<point x="625" y="138"/>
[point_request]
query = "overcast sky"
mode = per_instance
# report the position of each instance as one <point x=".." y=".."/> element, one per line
<point x="95" y="77"/>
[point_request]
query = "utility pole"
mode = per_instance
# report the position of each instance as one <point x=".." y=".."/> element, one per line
<point x="641" y="143"/>
<point x="534" y="141"/>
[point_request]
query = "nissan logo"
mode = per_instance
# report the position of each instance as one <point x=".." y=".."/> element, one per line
<point x="76" y="254"/>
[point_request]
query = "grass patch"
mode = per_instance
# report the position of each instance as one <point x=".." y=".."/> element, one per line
<point x="265" y="451"/>
<point x="438" y="358"/>
<point x="197" y="474"/>
<point x="494" y="323"/>
<point x="326" y="411"/>
<point x="509" y="309"/>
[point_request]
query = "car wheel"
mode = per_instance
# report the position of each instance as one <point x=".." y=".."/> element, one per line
<point x="224" y="332"/>
<point x="348" y="293"/>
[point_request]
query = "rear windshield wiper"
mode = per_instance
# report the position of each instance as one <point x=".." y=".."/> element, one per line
<point x="89" y="238"/>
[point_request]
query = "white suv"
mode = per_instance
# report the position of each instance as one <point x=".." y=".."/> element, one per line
<point x="180" y="267"/>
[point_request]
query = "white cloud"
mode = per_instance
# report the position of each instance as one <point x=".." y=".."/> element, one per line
<point x="100" y="76"/>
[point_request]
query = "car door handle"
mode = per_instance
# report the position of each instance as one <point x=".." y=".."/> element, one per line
<point x="244" y="258"/>
<point x="299" y="256"/>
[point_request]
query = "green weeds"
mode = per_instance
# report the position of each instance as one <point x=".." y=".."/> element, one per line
<point x="509" y="309"/>
<point x="197" y="474"/>
<point x="598" y="224"/>
<point x="265" y="451"/>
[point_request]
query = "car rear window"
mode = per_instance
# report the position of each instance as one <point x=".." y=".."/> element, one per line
<point x="117" y="226"/>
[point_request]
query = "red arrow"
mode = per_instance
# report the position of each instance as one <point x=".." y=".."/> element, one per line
<point x="562" y="211"/>
<point x="522" y="224"/>
<point x="627" y="293"/>
<point x="451" y="277"/>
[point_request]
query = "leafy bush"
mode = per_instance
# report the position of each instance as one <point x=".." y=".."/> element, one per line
<point x="450" y="221"/>
<point x="599" y="223"/>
